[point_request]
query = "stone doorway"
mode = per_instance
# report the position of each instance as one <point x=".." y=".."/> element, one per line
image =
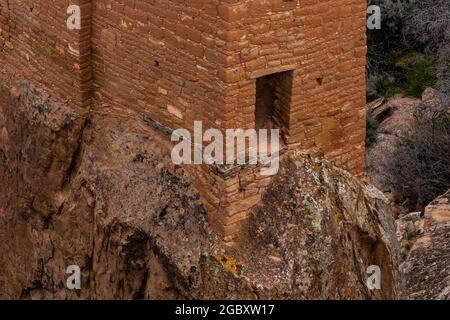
<point x="272" y="107"/>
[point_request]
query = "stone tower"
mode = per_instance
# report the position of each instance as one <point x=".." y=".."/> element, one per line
<point x="222" y="62"/>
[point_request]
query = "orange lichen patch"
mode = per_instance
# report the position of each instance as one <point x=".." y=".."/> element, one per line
<point x="229" y="264"/>
<point x="339" y="216"/>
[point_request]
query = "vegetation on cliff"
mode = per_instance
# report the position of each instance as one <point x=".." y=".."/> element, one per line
<point x="411" y="51"/>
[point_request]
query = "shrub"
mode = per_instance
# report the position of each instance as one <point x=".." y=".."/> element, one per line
<point x="419" y="167"/>
<point x="418" y="73"/>
<point x="411" y="26"/>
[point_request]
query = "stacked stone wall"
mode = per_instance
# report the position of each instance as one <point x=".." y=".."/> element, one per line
<point x="36" y="44"/>
<point x="176" y="62"/>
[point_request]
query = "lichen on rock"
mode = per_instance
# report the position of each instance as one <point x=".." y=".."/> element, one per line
<point x="100" y="191"/>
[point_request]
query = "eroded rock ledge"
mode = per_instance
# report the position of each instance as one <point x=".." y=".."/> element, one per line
<point x="99" y="190"/>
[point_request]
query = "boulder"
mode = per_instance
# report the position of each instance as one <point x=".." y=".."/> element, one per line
<point x="100" y="191"/>
<point x="427" y="267"/>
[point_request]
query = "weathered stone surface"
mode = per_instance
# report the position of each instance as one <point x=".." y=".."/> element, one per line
<point x="396" y="119"/>
<point x="135" y="224"/>
<point x="325" y="228"/>
<point x="39" y="148"/>
<point x="427" y="266"/>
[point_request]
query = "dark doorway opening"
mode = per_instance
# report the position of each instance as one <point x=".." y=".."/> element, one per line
<point x="273" y="93"/>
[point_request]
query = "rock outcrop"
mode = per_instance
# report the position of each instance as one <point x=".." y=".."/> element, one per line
<point x="396" y="119"/>
<point x="99" y="191"/>
<point x="427" y="265"/>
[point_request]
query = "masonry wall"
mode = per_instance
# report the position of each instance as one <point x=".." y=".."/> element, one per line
<point x="230" y="197"/>
<point x="155" y="57"/>
<point x="36" y="44"/>
<point x="324" y="43"/>
<point x="177" y="61"/>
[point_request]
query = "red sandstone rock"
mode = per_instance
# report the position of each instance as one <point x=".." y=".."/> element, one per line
<point x="100" y="191"/>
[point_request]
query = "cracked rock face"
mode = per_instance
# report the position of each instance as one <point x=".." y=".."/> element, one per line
<point x="100" y="191"/>
<point x="317" y="231"/>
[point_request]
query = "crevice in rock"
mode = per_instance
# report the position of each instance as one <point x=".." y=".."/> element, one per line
<point x="77" y="154"/>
